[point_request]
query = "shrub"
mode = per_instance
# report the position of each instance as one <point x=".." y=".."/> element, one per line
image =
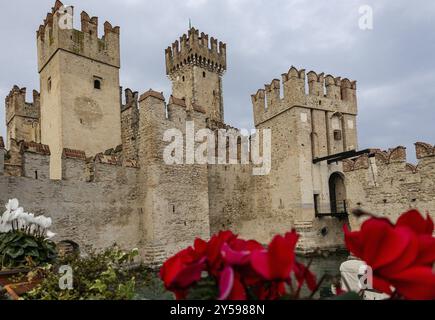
<point x="99" y="276"/>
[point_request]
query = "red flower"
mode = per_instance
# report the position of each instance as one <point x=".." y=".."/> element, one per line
<point x="214" y="251"/>
<point x="271" y="290"/>
<point x="415" y="221"/>
<point x="237" y="265"/>
<point x="303" y="274"/>
<point x="237" y="272"/>
<point x="181" y="271"/>
<point x="230" y="286"/>
<point x="424" y="229"/>
<point x="401" y="256"/>
<point x="276" y="263"/>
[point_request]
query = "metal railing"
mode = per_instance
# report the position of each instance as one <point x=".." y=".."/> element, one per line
<point x="337" y="209"/>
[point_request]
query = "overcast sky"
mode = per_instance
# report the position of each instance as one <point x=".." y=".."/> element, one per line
<point x="394" y="63"/>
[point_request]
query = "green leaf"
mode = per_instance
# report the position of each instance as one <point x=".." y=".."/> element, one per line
<point x="29" y="242"/>
<point x="347" y="296"/>
<point x="98" y="286"/>
<point x="33" y="253"/>
<point x="205" y="289"/>
<point x="14" y="252"/>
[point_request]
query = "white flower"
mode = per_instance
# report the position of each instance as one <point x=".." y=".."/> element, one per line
<point x="17" y="214"/>
<point x="50" y="235"/>
<point x="5" y="227"/>
<point x="48" y="223"/>
<point x="6" y="216"/>
<point x="20" y="214"/>
<point x="43" y="222"/>
<point x="37" y="220"/>
<point x="12" y="205"/>
<point x="29" y="218"/>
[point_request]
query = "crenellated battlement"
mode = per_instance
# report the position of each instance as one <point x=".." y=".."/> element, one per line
<point x="73" y="154"/>
<point x="26" y="159"/>
<point x="324" y="92"/>
<point x="130" y="125"/>
<point x="109" y="159"/>
<point x="33" y="147"/>
<point x="16" y="104"/>
<point x="391" y="156"/>
<point x="31" y="159"/>
<point x="57" y="33"/>
<point x="383" y="182"/>
<point x="424" y="150"/>
<point x="361" y="162"/>
<point x="22" y="118"/>
<point x="171" y="110"/>
<point x="381" y="157"/>
<point x="152" y="93"/>
<point x="160" y="208"/>
<point x="88" y="24"/>
<point x="131" y="99"/>
<point x="196" y="49"/>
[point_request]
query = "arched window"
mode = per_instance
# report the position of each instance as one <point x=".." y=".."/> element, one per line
<point x="97" y="84"/>
<point x="337" y="193"/>
<point x="67" y="248"/>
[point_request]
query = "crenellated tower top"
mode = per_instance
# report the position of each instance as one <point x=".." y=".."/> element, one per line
<point x="196" y="49"/>
<point x="57" y="33"/>
<point x="195" y="66"/>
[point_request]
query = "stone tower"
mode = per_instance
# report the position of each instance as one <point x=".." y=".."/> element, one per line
<point x="79" y="81"/>
<point x="22" y="118"/>
<point x="195" y="66"/>
<point x="307" y="127"/>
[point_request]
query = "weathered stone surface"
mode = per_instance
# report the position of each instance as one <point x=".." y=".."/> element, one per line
<point x="389" y="186"/>
<point x="100" y="172"/>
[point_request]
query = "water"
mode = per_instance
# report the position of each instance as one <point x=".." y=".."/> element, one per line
<point x="151" y="287"/>
<point x="328" y="266"/>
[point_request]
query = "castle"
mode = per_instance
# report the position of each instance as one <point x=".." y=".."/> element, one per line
<point x="93" y="161"/>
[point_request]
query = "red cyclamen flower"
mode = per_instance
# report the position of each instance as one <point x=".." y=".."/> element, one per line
<point x="401" y="255"/>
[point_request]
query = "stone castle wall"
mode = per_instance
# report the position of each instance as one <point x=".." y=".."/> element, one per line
<point x="95" y="208"/>
<point x="129" y="195"/>
<point x="174" y="196"/>
<point x="384" y="184"/>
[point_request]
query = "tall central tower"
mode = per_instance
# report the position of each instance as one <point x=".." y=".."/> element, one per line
<point x="195" y="66"/>
<point x="79" y="79"/>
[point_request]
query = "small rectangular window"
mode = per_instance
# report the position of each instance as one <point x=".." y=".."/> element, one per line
<point x="49" y="84"/>
<point x="97" y="82"/>
<point x="337" y="135"/>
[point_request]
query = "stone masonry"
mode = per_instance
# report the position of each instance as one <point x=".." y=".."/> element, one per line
<point x="93" y="160"/>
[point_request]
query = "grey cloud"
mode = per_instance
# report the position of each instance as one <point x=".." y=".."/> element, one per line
<point x="393" y="63"/>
